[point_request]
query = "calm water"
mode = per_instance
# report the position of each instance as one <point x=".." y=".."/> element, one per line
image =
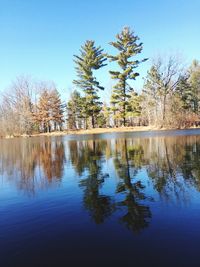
<point x="103" y="200"/>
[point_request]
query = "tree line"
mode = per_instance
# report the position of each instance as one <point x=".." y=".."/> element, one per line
<point x="170" y="96"/>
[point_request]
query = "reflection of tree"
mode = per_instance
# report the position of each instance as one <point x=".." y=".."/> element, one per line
<point x="137" y="214"/>
<point x="100" y="206"/>
<point x="190" y="164"/>
<point x="89" y="159"/>
<point x="32" y="163"/>
<point x="173" y="165"/>
<point x="52" y="157"/>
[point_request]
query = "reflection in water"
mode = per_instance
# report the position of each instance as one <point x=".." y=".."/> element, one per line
<point x="32" y="164"/>
<point x="171" y="163"/>
<point x="89" y="158"/>
<point x="127" y="164"/>
<point x="52" y="158"/>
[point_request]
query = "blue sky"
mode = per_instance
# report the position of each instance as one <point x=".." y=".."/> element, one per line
<point x="40" y="37"/>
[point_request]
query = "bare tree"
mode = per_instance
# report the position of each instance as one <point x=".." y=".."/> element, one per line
<point x="159" y="87"/>
<point x="16" y="107"/>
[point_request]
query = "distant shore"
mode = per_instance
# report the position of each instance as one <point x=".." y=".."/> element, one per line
<point x="108" y="130"/>
<point x="100" y="131"/>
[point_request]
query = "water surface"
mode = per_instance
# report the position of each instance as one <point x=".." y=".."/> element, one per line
<point x="128" y="199"/>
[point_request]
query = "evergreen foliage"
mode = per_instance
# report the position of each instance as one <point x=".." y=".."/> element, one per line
<point x="91" y="58"/>
<point x="127" y="45"/>
<point x="170" y="96"/>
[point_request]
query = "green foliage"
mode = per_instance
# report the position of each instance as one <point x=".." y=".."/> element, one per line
<point x="91" y="58"/>
<point x="76" y="109"/>
<point x="134" y="105"/>
<point x="170" y="96"/>
<point x="127" y="45"/>
<point x="194" y="80"/>
<point x="153" y="83"/>
<point x="103" y="119"/>
<point x="57" y="109"/>
<point x="184" y="92"/>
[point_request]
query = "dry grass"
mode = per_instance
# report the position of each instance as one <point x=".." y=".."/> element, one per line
<point x="101" y="130"/>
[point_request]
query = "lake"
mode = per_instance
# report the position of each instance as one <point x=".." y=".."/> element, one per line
<point x="127" y="199"/>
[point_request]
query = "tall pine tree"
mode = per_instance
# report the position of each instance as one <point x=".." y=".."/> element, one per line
<point x="57" y="110"/>
<point x="91" y="58"/>
<point x="152" y="96"/>
<point x="75" y="111"/>
<point x="127" y="45"/>
<point x="42" y="115"/>
<point x="194" y="81"/>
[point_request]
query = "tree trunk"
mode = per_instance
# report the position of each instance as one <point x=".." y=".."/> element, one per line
<point x="124" y="104"/>
<point x="49" y="127"/>
<point x="114" y="119"/>
<point x="86" y="124"/>
<point x="93" y="123"/>
<point x="164" y="109"/>
<point x="124" y="120"/>
<point x="44" y="127"/>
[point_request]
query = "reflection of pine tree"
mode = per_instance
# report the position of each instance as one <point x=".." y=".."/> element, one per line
<point x="59" y="160"/>
<point x="137" y="215"/>
<point x="90" y="159"/>
<point x="98" y="205"/>
<point x="52" y="159"/>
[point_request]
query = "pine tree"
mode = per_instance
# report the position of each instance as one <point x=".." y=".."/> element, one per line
<point x="194" y="81"/>
<point x="114" y="109"/>
<point x="90" y="59"/>
<point x="43" y="111"/>
<point x="76" y="111"/>
<point x="134" y="108"/>
<point x="103" y="119"/>
<point x="151" y="93"/>
<point x="184" y="92"/>
<point x="57" y="109"/>
<point x="128" y="47"/>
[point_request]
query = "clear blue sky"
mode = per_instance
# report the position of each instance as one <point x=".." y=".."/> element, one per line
<point x="39" y="37"/>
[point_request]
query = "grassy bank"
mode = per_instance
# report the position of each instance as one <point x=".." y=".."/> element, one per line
<point x="106" y="130"/>
<point x="99" y="131"/>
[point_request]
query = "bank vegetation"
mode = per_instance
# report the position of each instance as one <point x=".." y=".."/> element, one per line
<point x="170" y="97"/>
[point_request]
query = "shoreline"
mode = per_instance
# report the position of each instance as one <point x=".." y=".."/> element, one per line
<point x="103" y="130"/>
